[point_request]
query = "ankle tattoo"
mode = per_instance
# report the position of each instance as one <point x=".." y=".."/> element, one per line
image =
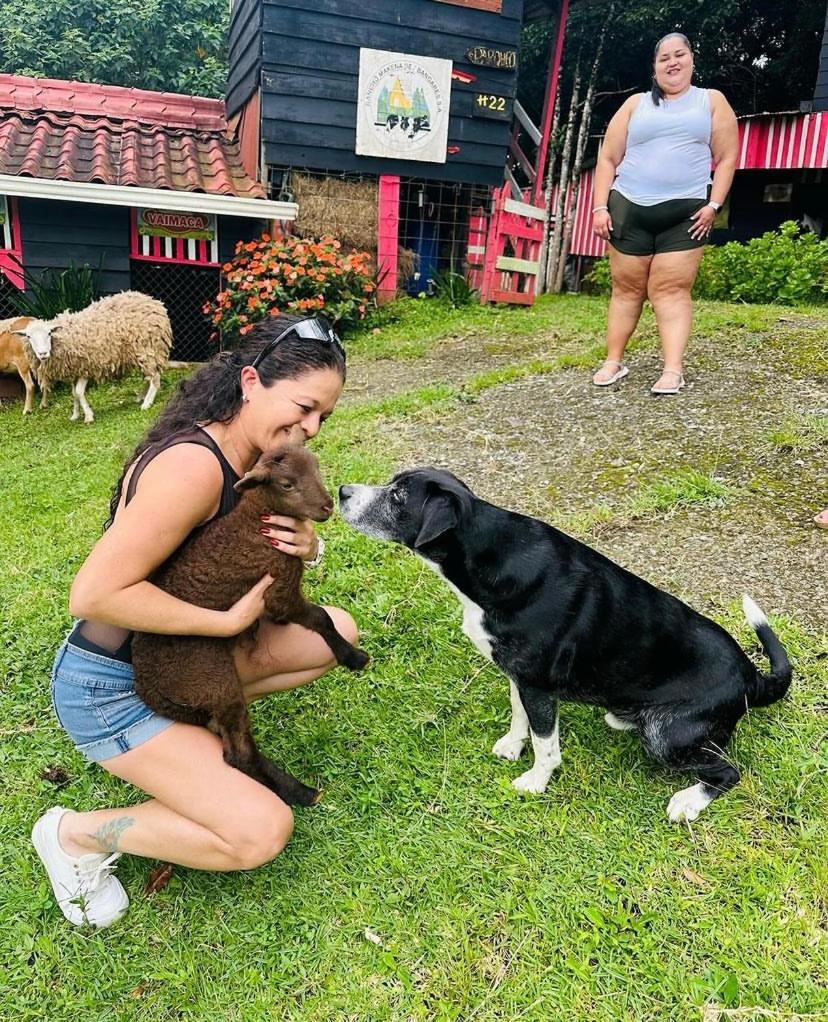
<point x="109" y="833"/>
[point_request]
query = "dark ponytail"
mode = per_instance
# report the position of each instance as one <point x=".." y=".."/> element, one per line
<point x="656" y="92"/>
<point x="213" y="393"/>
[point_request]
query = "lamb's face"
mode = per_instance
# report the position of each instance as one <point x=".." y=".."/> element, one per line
<point x="39" y="335"/>
<point x="293" y="483"/>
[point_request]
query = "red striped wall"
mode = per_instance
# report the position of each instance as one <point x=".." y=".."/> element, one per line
<point x="766" y="142"/>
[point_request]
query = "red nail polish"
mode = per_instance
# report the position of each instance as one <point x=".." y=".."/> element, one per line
<point x="274" y="542"/>
<point x="263" y="518"/>
<point x="264" y="532"/>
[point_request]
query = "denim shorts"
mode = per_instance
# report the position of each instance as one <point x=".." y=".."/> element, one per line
<point x="96" y="704"/>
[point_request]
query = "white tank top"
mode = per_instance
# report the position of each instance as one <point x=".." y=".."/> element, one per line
<point x="668" y="150"/>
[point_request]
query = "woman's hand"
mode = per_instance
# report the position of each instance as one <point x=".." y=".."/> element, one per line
<point x="703" y="225"/>
<point x="247" y="610"/>
<point x="294" y="536"/>
<point x="602" y="224"/>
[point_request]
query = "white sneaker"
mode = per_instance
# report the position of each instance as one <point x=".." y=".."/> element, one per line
<point x="84" y="887"/>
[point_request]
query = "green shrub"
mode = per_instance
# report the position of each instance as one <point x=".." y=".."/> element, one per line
<point x="296" y="275"/>
<point x="454" y="289"/>
<point x="598" y="280"/>
<point x="784" y="266"/>
<point x="54" y="291"/>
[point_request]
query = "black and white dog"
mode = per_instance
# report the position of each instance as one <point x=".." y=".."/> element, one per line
<point x="565" y="622"/>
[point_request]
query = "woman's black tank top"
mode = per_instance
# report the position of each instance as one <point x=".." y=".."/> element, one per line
<point x="229" y="499"/>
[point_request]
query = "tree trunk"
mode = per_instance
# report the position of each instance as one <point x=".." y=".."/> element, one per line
<point x="548" y="192"/>
<point x="563" y="182"/>
<point x="580" y="149"/>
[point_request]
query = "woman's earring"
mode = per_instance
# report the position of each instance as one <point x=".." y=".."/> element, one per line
<point x="244" y="398"/>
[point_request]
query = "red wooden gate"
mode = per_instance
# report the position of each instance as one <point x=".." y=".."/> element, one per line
<point x="513" y="247"/>
<point x="518" y="221"/>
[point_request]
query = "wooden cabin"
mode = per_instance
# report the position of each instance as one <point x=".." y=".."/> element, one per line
<point x="148" y="186"/>
<point x="387" y="121"/>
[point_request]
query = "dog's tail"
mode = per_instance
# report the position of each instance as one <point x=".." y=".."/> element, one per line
<point x="767" y="688"/>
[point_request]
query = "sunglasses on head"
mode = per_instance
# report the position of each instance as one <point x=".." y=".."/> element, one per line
<point x="317" y="328"/>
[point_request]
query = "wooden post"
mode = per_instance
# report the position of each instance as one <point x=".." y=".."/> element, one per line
<point x="388" y="239"/>
<point x="549" y="105"/>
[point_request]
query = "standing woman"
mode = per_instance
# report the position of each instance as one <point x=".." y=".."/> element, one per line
<point x="655" y="205"/>
<point x="202" y="813"/>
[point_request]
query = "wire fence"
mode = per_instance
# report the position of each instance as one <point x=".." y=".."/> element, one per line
<point x="183" y="290"/>
<point x="7" y="294"/>
<point x="441" y="224"/>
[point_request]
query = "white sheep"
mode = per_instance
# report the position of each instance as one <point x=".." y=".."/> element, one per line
<point x="109" y="337"/>
<point x="13" y="356"/>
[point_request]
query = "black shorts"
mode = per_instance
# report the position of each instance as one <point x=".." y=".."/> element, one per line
<point x="648" y="230"/>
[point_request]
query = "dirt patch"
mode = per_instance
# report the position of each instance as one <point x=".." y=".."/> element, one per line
<point x="555" y="446"/>
<point x="453" y="360"/>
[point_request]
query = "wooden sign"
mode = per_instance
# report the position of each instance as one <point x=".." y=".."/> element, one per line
<point x="162" y="223"/>
<point x="488" y="105"/>
<point x="495" y="6"/>
<point x="486" y="56"/>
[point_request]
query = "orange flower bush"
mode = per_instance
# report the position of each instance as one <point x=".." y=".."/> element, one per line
<point x="294" y="275"/>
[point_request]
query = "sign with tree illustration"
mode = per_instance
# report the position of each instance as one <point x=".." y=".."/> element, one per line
<point x="403" y="106"/>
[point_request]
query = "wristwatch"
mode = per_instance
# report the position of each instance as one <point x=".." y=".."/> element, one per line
<point x="716" y="205"/>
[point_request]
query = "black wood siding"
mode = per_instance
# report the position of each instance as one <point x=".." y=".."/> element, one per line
<point x="310" y="68"/>
<point x="245" y="58"/>
<point x="821" y="90"/>
<point x="54" y="234"/>
<point x="232" y="229"/>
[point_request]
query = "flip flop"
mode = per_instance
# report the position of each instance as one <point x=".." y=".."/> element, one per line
<point x="669" y="390"/>
<point x="821" y="519"/>
<point x="620" y="373"/>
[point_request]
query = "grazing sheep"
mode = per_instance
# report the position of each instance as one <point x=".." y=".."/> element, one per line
<point x="13" y="355"/>
<point x="193" y="678"/>
<point x="109" y="337"/>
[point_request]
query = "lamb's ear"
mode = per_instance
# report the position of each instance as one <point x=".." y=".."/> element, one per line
<point x="440" y="513"/>
<point x="255" y="477"/>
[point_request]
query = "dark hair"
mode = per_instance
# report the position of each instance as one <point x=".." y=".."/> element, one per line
<point x="656" y="92"/>
<point x="213" y="393"/>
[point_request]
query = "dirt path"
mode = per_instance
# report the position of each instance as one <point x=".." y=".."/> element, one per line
<point x="554" y="446"/>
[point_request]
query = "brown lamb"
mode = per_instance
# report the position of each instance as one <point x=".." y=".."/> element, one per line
<point x="192" y="678"/>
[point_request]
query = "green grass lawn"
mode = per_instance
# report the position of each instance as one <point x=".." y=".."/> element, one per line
<point x="423" y="888"/>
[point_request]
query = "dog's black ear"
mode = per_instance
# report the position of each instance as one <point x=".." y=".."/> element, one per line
<point x="440" y="513"/>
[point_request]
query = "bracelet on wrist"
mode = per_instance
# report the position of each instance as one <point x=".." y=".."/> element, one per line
<point x="319" y="551"/>
<point x="597" y="209"/>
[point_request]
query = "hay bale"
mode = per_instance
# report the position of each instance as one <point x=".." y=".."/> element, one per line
<point x="332" y="205"/>
<point x="406" y="266"/>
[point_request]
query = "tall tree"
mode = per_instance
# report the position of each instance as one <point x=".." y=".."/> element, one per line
<point x="762" y="54"/>
<point x="172" y="45"/>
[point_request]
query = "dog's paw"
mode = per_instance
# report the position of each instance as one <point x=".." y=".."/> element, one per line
<point x="533" y="782"/>
<point x="508" y="747"/>
<point x="617" y="724"/>
<point x="688" y="803"/>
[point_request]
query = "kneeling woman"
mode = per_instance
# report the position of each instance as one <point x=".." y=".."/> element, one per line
<point x="202" y="813"/>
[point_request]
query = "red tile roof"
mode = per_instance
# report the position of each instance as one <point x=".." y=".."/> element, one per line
<point x="105" y="134"/>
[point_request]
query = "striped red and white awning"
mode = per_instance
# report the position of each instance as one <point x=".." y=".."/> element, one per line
<point x="766" y="142"/>
<point x="783" y="142"/>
